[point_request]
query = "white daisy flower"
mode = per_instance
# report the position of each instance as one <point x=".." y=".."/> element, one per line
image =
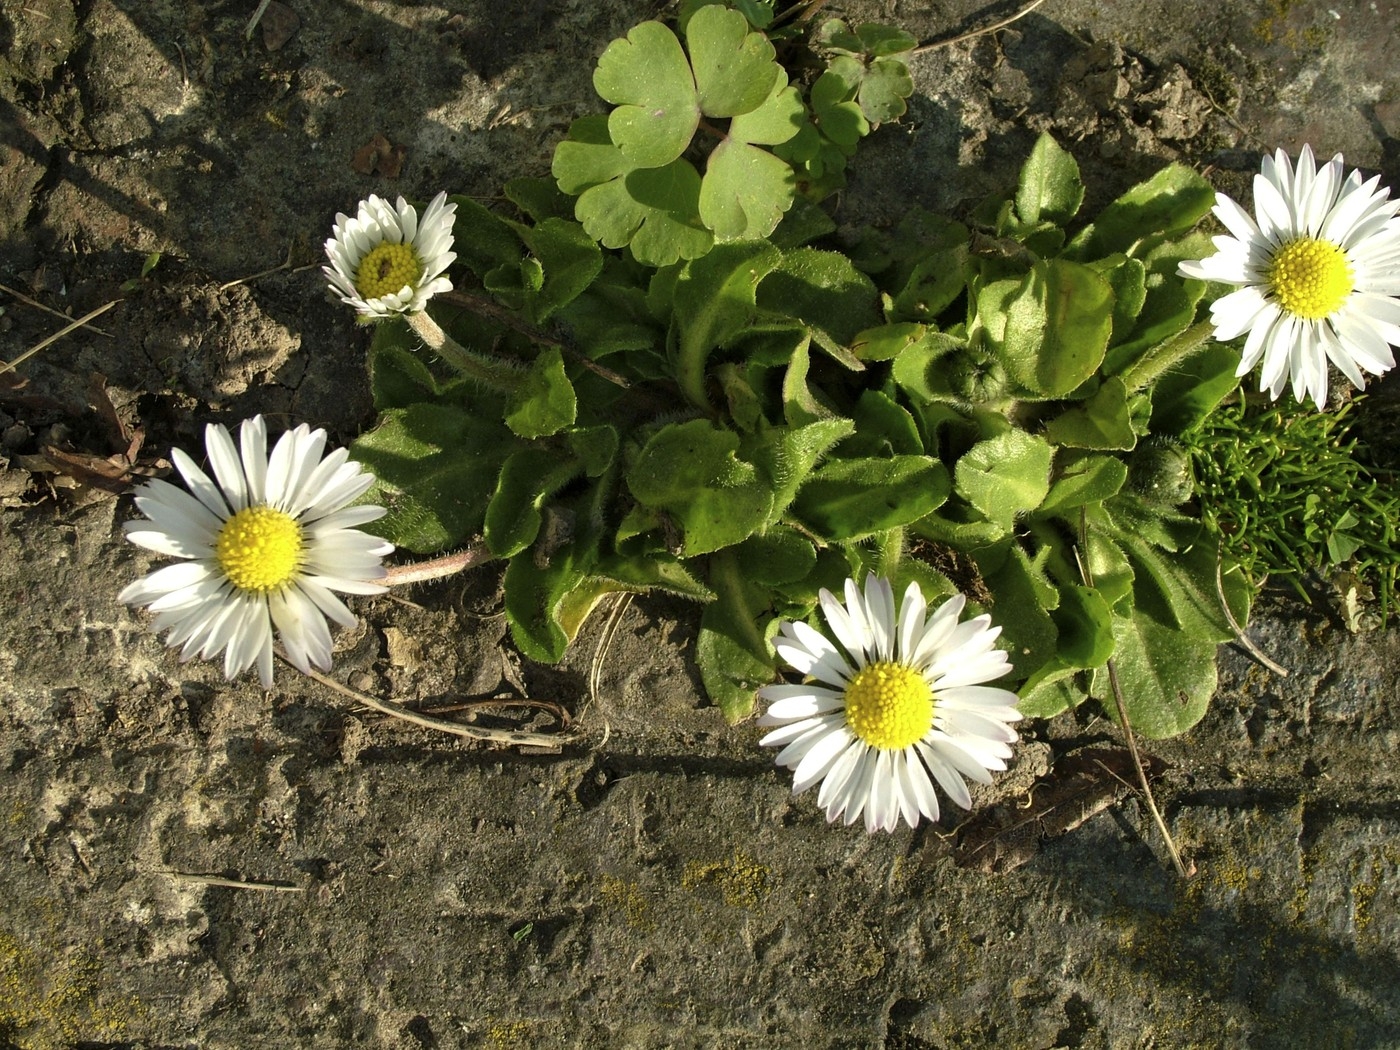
<point x="903" y="701"/>
<point x="1317" y="270"/>
<point x="264" y="547"/>
<point x="385" y="261"/>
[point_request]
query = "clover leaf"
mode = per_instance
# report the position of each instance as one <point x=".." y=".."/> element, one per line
<point x="647" y="76"/>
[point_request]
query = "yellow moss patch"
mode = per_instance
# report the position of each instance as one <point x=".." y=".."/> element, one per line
<point x="742" y="882"/>
<point x="626" y="897"/>
<point x="51" y="1002"/>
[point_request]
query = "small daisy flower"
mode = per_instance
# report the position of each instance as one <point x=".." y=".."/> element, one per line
<point x="264" y="547"/>
<point x="1318" y="267"/>
<point x="385" y="261"/>
<point x="899" y="705"/>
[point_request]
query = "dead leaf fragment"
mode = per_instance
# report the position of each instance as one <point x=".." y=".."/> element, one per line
<point x="379" y="157"/>
<point x="404" y="651"/>
<point x="279" y="24"/>
<point x="1079" y="786"/>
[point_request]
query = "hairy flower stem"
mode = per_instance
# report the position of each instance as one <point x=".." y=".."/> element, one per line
<point x="489" y="372"/>
<point x="437" y="568"/>
<point x="1166" y="356"/>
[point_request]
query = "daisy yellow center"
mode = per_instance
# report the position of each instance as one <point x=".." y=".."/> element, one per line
<point x="259" y="549"/>
<point x="386" y="269"/>
<point x="1310" y="278"/>
<point x="889" y="705"/>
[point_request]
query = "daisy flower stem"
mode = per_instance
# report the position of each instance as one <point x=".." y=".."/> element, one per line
<point x="498" y="375"/>
<point x="1152" y="365"/>
<point x="438" y="568"/>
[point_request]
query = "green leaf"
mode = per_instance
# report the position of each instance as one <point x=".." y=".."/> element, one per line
<point x="1091" y="479"/>
<point x="1029" y="633"/>
<point x="690" y="470"/>
<point x="397" y="376"/>
<point x="647" y="77"/>
<point x="544" y="403"/>
<point x="1050" y="188"/>
<point x="1005" y="476"/>
<point x="914" y="369"/>
<point x="883" y="90"/>
<point x="888" y="341"/>
<point x="1057" y="324"/>
<point x="745" y="191"/>
<point x="835" y="111"/>
<point x="527" y="479"/>
<point x="714" y="301"/>
<point x="933" y="284"/>
<point x="850" y="499"/>
<point x="1128" y="279"/>
<point x="824" y="290"/>
<point x="787" y="455"/>
<point x="730" y="670"/>
<point x="595" y="446"/>
<point x="1170" y="202"/>
<point x="535" y="592"/>
<point x="655" y="212"/>
<point x="569" y="259"/>
<point x="587" y="156"/>
<point x="482" y="238"/>
<point x="883" y="428"/>
<point x="538" y="198"/>
<point x="734" y="68"/>
<point x="433" y="465"/>
<point x="780" y="555"/>
<point x="775" y="122"/>
<point x="1185" y="397"/>
<point x="1102" y="422"/>
<point x="1167" y="676"/>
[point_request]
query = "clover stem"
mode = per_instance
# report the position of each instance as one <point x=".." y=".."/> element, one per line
<point x="490" y="372"/>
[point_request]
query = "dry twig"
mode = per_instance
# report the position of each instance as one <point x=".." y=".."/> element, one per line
<point x="233" y="884"/>
<point x="10" y="366"/>
<point x="935" y="44"/>
<point x="48" y="309"/>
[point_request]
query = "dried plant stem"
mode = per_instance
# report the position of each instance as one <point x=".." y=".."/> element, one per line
<point x="495" y="736"/>
<point x="1181" y="868"/>
<point x="10" y="366"/>
<point x="285" y="264"/>
<point x="1240" y="636"/>
<point x="498" y="375"/>
<point x="48" y="309"/>
<point x="233" y="884"/>
<point x="935" y="44"/>
<point x="257" y="17"/>
<point x="439" y="568"/>
<point x="1129" y="739"/>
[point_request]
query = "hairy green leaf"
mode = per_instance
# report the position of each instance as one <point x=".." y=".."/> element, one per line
<point x="734" y="68"/>
<point x="544" y="403"/>
<point x="1050" y="188"/>
<point x="433" y="465"/>
<point x="1056" y="326"/>
<point x="851" y="499"/>
<point x="690" y="471"/>
<point x="1005" y="476"/>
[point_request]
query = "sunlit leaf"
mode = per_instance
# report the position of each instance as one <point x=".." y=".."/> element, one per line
<point x="646" y="75"/>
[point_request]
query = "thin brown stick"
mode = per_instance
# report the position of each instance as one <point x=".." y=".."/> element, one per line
<point x="1126" y="725"/>
<point x="495" y="736"/>
<point x="1240" y="636"/>
<point x="234" y="884"/>
<point x="10" y="366"/>
<point x="935" y="44"/>
<point x="285" y="264"/>
<point x="439" y="568"/>
<point x="48" y="309"/>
